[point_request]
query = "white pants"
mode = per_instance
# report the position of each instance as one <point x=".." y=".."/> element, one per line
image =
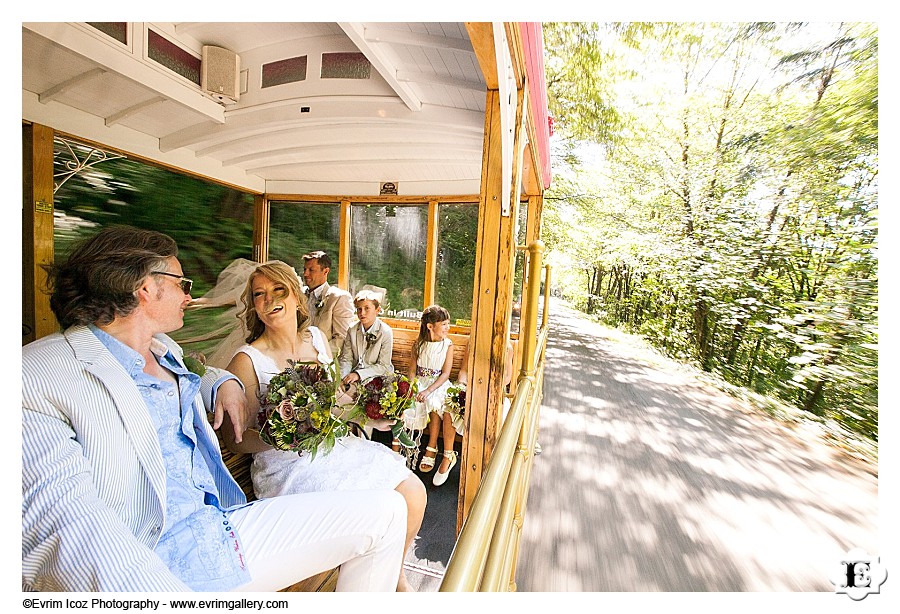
<point x="289" y="538"/>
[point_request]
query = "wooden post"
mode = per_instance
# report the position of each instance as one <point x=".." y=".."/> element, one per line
<point x="261" y="211"/>
<point x="343" y="280"/>
<point x="535" y="211"/>
<point x="431" y="253"/>
<point x="492" y="303"/>
<point x="37" y="231"/>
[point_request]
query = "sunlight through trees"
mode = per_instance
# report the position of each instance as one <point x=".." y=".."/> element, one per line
<point x="716" y="190"/>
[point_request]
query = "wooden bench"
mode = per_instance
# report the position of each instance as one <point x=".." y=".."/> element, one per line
<point x="239" y="464"/>
<point x="404" y="338"/>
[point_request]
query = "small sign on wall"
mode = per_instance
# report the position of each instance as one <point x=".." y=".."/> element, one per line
<point x="388" y="188"/>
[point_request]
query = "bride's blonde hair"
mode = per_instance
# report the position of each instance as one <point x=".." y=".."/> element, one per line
<point x="277" y="272"/>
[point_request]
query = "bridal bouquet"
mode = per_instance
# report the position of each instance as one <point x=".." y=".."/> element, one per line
<point x="387" y="397"/>
<point x="295" y="411"/>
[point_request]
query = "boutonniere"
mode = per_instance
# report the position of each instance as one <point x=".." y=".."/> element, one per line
<point x="321" y="303"/>
<point x="195" y="363"/>
<point x="370" y="339"/>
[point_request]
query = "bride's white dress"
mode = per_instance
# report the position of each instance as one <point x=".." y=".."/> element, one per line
<point x="353" y="463"/>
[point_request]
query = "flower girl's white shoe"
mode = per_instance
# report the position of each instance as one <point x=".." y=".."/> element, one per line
<point x="440" y="478"/>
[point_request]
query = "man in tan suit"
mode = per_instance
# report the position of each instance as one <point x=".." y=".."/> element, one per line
<point x="330" y="308"/>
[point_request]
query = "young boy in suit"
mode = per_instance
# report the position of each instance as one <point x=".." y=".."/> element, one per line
<point x="366" y="351"/>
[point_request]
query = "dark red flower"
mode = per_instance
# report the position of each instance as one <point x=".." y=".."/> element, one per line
<point x="375" y="384"/>
<point x="461" y="397"/>
<point x="403" y="388"/>
<point x="310" y="374"/>
<point x="373" y="410"/>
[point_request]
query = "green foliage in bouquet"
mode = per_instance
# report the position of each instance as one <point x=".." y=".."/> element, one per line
<point x="295" y="411"/>
<point x="387" y="397"/>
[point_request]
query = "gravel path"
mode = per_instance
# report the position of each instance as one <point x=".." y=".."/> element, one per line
<point x="652" y="480"/>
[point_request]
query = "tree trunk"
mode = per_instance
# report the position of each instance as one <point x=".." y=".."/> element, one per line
<point x="751" y="370"/>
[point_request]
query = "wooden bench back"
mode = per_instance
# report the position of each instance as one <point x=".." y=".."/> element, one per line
<point x="403" y="343"/>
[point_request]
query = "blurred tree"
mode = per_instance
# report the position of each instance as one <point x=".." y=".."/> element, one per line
<point x="212" y="224"/>
<point x="730" y="210"/>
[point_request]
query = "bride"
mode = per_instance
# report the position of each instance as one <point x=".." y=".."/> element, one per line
<point x="278" y="324"/>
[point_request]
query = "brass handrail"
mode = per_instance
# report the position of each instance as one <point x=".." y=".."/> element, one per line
<point x="500" y="564"/>
<point x="484" y="558"/>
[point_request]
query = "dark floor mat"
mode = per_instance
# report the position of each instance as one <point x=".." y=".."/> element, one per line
<point x="427" y="559"/>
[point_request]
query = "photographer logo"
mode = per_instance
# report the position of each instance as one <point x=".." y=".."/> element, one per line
<point x="858" y="575"/>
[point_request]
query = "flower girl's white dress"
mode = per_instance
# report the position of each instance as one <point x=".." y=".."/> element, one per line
<point x="429" y="362"/>
<point x="353" y="463"/>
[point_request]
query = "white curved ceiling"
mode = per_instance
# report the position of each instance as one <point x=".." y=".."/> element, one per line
<point x="418" y="120"/>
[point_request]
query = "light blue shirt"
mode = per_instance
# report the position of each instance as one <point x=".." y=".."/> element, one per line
<point x="198" y="542"/>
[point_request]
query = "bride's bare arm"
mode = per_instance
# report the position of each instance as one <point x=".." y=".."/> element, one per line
<point x="242" y="368"/>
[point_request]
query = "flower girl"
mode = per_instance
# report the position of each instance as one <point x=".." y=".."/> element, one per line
<point x="430" y="365"/>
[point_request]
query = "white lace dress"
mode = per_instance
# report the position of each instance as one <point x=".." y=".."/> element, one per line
<point x="353" y="463"/>
<point x="429" y="362"/>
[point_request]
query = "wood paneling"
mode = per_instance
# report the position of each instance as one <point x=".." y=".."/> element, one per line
<point x="37" y="231"/>
<point x="404" y="339"/>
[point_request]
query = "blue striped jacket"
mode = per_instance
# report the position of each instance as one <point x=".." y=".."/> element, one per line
<point x="93" y="478"/>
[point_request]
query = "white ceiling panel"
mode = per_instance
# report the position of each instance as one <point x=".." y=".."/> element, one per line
<point x="419" y="116"/>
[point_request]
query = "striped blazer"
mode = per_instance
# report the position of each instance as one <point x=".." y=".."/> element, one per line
<point x="93" y="478"/>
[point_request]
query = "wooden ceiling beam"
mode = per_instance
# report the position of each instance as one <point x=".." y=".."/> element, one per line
<point x="481" y="33"/>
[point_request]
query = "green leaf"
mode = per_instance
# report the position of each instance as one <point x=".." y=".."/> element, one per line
<point x="401" y="435"/>
<point x="194" y="366"/>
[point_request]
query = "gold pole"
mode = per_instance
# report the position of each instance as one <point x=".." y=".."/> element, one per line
<point x="261" y="215"/>
<point x="529" y="322"/>
<point x="499" y="548"/>
<point x="531" y="429"/>
<point x="466" y="565"/>
<point x="546" y="315"/>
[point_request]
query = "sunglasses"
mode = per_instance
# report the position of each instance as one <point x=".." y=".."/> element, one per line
<point x="185" y="283"/>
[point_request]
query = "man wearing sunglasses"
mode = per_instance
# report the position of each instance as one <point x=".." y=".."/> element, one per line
<point x="123" y="484"/>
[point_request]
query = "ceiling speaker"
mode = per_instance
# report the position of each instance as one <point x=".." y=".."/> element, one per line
<point x="220" y="73"/>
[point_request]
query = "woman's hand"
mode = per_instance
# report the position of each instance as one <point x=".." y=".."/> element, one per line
<point x="423" y="395"/>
